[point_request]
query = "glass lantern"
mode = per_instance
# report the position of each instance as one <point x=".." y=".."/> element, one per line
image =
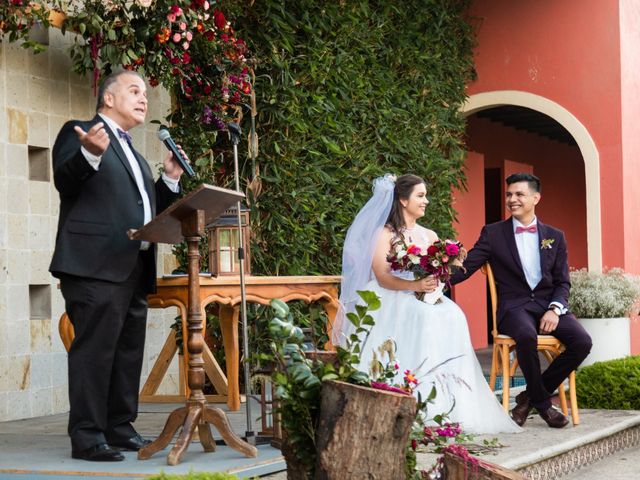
<point x="224" y="242"/>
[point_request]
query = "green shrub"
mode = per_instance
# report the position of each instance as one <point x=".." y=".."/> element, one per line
<point x="611" y="385"/>
<point x="194" y="476"/>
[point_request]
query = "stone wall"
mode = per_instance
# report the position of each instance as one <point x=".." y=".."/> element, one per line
<point x="38" y="93"/>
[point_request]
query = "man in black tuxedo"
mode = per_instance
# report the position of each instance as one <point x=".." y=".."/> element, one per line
<point x="529" y="262"/>
<point x="107" y="188"/>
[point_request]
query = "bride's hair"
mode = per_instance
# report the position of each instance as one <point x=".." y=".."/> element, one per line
<point x="402" y="191"/>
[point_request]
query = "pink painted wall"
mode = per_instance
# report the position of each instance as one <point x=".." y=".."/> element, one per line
<point x="568" y="52"/>
<point x="471" y="295"/>
<point x="630" y="86"/>
<point x="559" y="166"/>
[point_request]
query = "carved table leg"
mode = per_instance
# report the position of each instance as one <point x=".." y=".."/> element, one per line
<point x="331" y="308"/>
<point x="229" y="326"/>
<point x="218" y="419"/>
<point x="174" y="422"/>
<point x="190" y="424"/>
<point x="206" y="439"/>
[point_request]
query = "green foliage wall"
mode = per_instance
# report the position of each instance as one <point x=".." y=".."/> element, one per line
<point x="346" y="91"/>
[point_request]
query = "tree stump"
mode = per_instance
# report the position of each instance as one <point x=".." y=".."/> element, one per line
<point x="362" y="433"/>
<point x="456" y="468"/>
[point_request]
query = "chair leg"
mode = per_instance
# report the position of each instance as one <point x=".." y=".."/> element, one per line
<point x="494" y="368"/>
<point x="573" y="398"/>
<point x="505" y="376"/>
<point x="563" y="399"/>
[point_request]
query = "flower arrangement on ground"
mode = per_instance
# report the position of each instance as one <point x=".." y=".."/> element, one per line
<point x="438" y="260"/>
<point x="609" y="294"/>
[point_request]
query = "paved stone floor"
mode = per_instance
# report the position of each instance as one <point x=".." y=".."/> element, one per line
<point x="39" y="448"/>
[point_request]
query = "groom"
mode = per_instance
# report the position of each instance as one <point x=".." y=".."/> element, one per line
<point x="529" y="262"/>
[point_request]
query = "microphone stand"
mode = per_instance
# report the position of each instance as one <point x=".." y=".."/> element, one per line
<point x="235" y="132"/>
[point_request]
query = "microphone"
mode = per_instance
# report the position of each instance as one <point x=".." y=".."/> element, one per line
<point x="165" y="136"/>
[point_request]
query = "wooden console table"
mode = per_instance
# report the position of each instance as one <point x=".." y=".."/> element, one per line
<point x="225" y="291"/>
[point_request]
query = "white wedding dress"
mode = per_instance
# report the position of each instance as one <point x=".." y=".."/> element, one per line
<point x="430" y="335"/>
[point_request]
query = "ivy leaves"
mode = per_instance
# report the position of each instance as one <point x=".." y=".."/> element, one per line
<point x="347" y="91"/>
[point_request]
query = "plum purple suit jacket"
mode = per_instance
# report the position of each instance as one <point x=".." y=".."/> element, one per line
<point x="497" y="245"/>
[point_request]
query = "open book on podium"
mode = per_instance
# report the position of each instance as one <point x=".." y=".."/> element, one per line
<point x="167" y="227"/>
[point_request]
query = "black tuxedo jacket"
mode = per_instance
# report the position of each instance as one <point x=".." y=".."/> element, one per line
<point x="98" y="207"/>
<point x="497" y="245"/>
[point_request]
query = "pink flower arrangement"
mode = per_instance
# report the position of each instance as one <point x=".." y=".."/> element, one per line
<point x="438" y="259"/>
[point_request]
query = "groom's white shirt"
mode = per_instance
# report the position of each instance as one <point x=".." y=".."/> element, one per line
<point x="529" y="252"/>
<point x="527" y="244"/>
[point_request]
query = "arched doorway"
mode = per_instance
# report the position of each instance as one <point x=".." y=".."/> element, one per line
<point x="487" y="100"/>
<point x="512" y="131"/>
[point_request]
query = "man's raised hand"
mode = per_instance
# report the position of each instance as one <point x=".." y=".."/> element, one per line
<point x="96" y="140"/>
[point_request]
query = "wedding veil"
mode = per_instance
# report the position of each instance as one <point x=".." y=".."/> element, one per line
<point x="357" y="255"/>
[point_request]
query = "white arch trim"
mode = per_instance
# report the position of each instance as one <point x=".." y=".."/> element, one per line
<point x="590" y="155"/>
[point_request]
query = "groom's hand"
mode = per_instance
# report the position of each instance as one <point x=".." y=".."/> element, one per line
<point x="548" y="322"/>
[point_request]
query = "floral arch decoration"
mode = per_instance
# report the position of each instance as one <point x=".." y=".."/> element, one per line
<point x="186" y="46"/>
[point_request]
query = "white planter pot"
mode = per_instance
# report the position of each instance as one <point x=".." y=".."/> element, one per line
<point x="611" y="338"/>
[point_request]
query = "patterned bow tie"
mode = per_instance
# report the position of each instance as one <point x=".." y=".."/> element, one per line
<point x="530" y="229"/>
<point x="126" y="136"/>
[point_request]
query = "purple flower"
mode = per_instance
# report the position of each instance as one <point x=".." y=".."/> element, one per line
<point x="207" y="115"/>
<point x="218" y="123"/>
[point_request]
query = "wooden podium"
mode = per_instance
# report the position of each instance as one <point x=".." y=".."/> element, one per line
<point x="186" y="219"/>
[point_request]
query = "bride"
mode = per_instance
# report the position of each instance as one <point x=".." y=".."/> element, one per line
<point x="431" y="338"/>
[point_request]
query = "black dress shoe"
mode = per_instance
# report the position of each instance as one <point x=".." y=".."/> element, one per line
<point x="522" y="409"/>
<point x="554" y="418"/>
<point x="134" y="443"/>
<point x="98" y="453"/>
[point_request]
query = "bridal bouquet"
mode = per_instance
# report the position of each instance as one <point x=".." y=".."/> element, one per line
<point x="439" y="260"/>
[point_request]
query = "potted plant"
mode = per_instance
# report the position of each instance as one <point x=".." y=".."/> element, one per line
<point x="603" y="303"/>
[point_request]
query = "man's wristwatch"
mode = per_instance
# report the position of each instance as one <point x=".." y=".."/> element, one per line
<point x="556" y="309"/>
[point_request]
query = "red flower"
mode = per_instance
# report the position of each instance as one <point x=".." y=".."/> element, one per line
<point x="219" y="20"/>
<point x="432" y="250"/>
<point x="153" y="81"/>
<point x="246" y="88"/>
<point x="186" y="58"/>
<point x="413" y="250"/>
<point x="207" y="89"/>
<point x="209" y="35"/>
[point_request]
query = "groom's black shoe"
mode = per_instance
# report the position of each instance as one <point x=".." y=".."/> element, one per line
<point x="554" y="418"/>
<point x="522" y="409"/>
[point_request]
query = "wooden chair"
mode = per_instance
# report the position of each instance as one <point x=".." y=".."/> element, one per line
<point x="501" y="363"/>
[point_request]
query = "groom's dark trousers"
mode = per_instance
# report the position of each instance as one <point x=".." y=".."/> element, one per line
<point x="520" y="307"/>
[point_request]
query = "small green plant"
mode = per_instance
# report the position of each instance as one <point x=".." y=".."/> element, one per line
<point x="610" y="385"/>
<point x="298" y="379"/>
<point x="611" y="294"/>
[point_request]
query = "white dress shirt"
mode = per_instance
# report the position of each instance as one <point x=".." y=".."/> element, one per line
<point x="527" y="243"/>
<point x="94" y="161"/>
<point x="529" y="252"/>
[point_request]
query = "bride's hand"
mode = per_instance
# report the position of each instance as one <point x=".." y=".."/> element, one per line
<point x="427" y="284"/>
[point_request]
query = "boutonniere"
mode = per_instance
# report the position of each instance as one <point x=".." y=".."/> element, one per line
<point x="547" y="243"/>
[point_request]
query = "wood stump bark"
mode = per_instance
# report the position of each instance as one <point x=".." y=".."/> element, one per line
<point x="362" y="433"/>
